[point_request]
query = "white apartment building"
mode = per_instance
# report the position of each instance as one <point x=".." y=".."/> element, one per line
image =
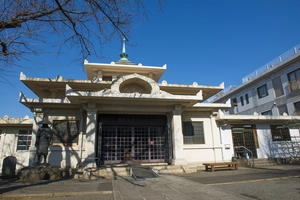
<point x="273" y="89"/>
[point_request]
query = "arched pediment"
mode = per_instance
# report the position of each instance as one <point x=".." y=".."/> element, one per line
<point x="135" y="83"/>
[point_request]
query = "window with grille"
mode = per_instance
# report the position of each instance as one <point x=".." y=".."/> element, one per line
<point x="294" y="80"/>
<point x="24" y="139"/>
<point x="277" y="86"/>
<point x="280" y="134"/>
<point x="262" y="91"/>
<point x="66" y="132"/>
<point x="193" y="133"/>
<point x="282" y="109"/>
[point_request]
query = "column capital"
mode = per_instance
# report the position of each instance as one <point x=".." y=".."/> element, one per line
<point x="91" y="110"/>
<point x="177" y="109"/>
<point x="89" y="107"/>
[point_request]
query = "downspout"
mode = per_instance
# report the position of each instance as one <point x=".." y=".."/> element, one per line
<point x="213" y="141"/>
<point x="81" y="146"/>
<point x="222" y="149"/>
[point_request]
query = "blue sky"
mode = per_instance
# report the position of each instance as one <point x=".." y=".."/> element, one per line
<point x="203" y="41"/>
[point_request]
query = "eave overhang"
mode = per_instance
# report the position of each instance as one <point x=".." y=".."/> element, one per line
<point x="254" y="118"/>
<point x="12" y="122"/>
<point x="43" y="86"/>
<point x="32" y="103"/>
<point x="107" y="96"/>
<point x="179" y="89"/>
<point x="92" y="70"/>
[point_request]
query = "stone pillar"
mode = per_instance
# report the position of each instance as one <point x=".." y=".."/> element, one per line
<point x="177" y="137"/>
<point x="99" y="75"/>
<point x="91" y="129"/>
<point x="38" y="116"/>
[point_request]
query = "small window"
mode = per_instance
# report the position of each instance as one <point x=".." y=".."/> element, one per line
<point x="242" y="100"/>
<point x="193" y="133"/>
<point x="262" y="91"/>
<point x="247" y="98"/>
<point x="280" y="134"/>
<point x="24" y="139"/>
<point x="234" y="102"/>
<point x="294" y="80"/>
<point x="106" y="78"/>
<point x="269" y="112"/>
<point x="277" y="86"/>
<point x="65" y="132"/>
<point x="297" y="108"/>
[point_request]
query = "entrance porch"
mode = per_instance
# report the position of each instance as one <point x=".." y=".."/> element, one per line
<point x="133" y="139"/>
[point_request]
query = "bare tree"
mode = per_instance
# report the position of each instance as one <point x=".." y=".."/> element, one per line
<point x="293" y="123"/>
<point x="27" y="26"/>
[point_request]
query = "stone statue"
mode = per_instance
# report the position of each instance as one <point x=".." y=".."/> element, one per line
<point x="43" y="140"/>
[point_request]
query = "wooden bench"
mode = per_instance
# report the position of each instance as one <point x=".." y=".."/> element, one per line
<point x="221" y="165"/>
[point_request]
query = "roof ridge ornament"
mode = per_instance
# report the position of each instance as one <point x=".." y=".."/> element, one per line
<point x="124" y="55"/>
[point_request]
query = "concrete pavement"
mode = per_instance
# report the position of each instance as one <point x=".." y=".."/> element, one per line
<point x="124" y="188"/>
<point x="127" y="188"/>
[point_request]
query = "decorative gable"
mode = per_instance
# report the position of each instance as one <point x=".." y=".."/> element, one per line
<point x="135" y="83"/>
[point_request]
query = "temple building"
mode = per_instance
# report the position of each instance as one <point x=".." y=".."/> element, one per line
<point x="123" y="114"/>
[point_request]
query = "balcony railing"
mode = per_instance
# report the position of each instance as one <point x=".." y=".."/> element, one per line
<point x="272" y="64"/>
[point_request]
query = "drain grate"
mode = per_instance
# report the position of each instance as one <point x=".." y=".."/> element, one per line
<point x="141" y="173"/>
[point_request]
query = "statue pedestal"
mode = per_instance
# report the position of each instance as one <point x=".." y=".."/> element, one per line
<point x="38" y="172"/>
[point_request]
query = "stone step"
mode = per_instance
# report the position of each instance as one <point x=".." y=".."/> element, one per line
<point x="110" y="171"/>
<point x="170" y="171"/>
<point x="257" y="162"/>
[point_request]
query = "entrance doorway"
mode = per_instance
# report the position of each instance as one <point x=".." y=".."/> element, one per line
<point x="132" y="139"/>
<point x="244" y="135"/>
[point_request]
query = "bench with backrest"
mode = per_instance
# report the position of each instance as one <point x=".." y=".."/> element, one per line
<point x="221" y="165"/>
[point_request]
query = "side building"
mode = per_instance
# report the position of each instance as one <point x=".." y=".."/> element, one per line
<point x="272" y="91"/>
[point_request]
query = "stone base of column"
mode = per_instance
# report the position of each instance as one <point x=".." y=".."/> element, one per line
<point x="88" y="163"/>
<point x="180" y="161"/>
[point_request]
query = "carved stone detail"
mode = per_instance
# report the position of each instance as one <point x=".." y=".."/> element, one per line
<point x="133" y="88"/>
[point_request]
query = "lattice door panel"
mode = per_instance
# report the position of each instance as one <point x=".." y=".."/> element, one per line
<point x="109" y="135"/>
<point x="156" y="143"/>
<point x="250" y="142"/>
<point x="126" y="143"/>
<point x="141" y="143"/>
<point x="244" y="138"/>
